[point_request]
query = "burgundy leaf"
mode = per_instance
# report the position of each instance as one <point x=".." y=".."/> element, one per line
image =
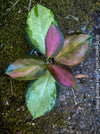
<point x="54" y="41"/>
<point x="62" y="75"/>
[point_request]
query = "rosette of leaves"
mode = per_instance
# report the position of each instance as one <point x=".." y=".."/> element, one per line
<point x="54" y="70"/>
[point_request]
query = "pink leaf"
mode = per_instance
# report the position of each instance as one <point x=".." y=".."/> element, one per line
<point x="54" y="41"/>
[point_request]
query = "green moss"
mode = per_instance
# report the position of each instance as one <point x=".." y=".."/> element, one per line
<point x="13" y="111"/>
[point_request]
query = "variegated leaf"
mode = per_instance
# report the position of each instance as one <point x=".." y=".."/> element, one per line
<point x="76" y="48"/>
<point x="27" y="69"/>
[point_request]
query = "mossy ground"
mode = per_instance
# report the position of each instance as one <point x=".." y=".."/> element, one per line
<point x="13" y="44"/>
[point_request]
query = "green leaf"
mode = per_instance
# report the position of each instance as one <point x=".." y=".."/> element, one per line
<point x="27" y="69"/>
<point x="41" y="95"/>
<point x="38" y="22"/>
<point x="75" y="50"/>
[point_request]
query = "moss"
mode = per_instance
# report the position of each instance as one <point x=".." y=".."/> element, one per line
<point x="13" y="111"/>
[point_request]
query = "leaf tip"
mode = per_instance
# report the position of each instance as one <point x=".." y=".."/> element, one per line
<point x="90" y="36"/>
<point x="8" y="70"/>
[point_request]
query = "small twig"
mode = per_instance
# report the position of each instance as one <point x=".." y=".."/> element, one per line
<point x="81" y="76"/>
<point x="11" y="86"/>
<point x="10" y="8"/>
<point x="29" y="5"/>
<point x="19" y="10"/>
<point x="67" y="17"/>
<point x="74" y="97"/>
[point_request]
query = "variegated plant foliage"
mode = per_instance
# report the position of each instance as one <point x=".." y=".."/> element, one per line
<point x="45" y="36"/>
